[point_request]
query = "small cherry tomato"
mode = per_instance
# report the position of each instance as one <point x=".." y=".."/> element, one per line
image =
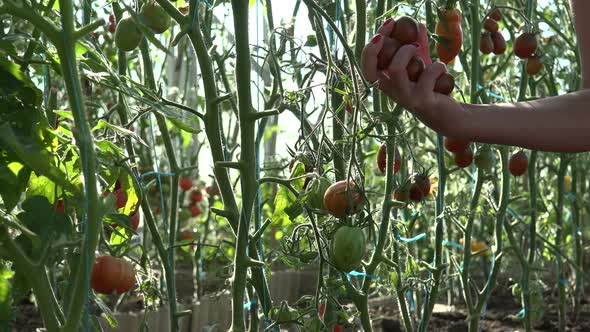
<point x="499" y="43"/>
<point x="195" y="210"/>
<point x="533" y="65"/>
<point x="419" y="187"/>
<point x="525" y="45"/>
<point x="464" y="158"/>
<point x="339" y="203"/>
<point x="455" y="145"/>
<point x="415" y="68"/>
<point x="449" y="30"/>
<point x="59" y="206"/>
<point x="196" y="195"/>
<point x="186" y="183"/>
<point x="444" y="84"/>
<point x="496" y="14"/>
<point x="382" y="159"/>
<point x="518" y="164"/>
<point x="111" y="274"/>
<point x="491" y="25"/>
<point x="405" y="30"/>
<point x="486" y="44"/>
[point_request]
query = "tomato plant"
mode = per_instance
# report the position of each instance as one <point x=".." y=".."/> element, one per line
<point x="348" y="248"/>
<point x="463" y="158"/>
<point x="525" y="45"/>
<point x="127" y="35"/>
<point x="518" y="164"/>
<point x="533" y="65"/>
<point x="450" y="32"/>
<point x="382" y="159"/>
<point x="155" y="17"/>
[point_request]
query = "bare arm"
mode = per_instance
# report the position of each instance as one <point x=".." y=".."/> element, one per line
<point x="558" y="124"/>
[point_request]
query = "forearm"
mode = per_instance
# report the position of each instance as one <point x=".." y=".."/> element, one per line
<point x="581" y="8"/>
<point x="557" y="124"/>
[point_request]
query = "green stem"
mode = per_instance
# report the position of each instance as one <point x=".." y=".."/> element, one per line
<point x="361" y="28"/>
<point x="67" y="54"/>
<point x="563" y="164"/>
<point x="174" y="168"/>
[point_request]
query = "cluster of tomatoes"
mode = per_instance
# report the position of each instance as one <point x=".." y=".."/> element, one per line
<point x="127" y="33"/>
<point x="525" y="47"/>
<point x="406" y="31"/>
<point x="492" y="40"/>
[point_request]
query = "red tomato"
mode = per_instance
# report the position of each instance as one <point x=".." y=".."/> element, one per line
<point x="111" y="18"/>
<point x="195" y="210"/>
<point x="338" y="328"/>
<point x="59" y="206"/>
<point x="135" y="220"/>
<point x="336" y="200"/>
<point x="419" y="187"/>
<point x="449" y="29"/>
<point x="212" y="190"/>
<point x="533" y="65"/>
<point x="349" y="108"/>
<point x="405" y="30"/>
<point x="387" y="52"/>
<point x="463" y="158"/>
<point x="186" y="183"/>
<point x="112" y="27"/>
<point x="111" y="274"/>
<point x="382" y="159"/>
<point x="491" y="25"/>
<point x="486" y="44"/>
<point x="525" y="45"/>
<point x="401" y="194"/>
<point x="518" y="164"/>
<point x="455" y="145"/>
<point x="444" y="84"/>
<point x="496" y="14"/>
<point x="121" y="200"/>
<point x="415" y="68"/>
<point x="499" y="43"/>
<point x="196" y="195"/>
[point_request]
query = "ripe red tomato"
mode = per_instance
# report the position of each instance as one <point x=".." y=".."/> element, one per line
<point x="186" y="183"/>
<point x="59" y="206"/>
<point x="382" y="159"/>
<point x="444" y="84"/>
<point x="419" y="187"/>
<point x="455" y="145"/>
<point x="112" y="27"/>
<point x="196" y="195"/>
<point x="405" y="30"/>
<point x="499" y="43"/>
<point x="195" y="210"/>
<point x="111" y="18"/>
<point x="496" y="14"/>
<point x="111" y="274"/>
<point x="135" y="220"/>
<point x="121" y="200"/>
<point x="338" y="328"/>
<point x="518" y="164"/>
<point x="336" y="200"/>
<point x="491" y="25"/>
<point x="486" y="44"/>
<point x="533" y="65"/>
<point x="212" y="190"/>
<point x="349" y="107"/>
<point x="449" y="29"/>
<point x="525" y="45"/>
<point x="463" y="158"/>
<point x="415" y="68"/>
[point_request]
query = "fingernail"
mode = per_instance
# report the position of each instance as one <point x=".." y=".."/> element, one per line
<point x="376" y="39"/>
<point x="388" y="22"/>
<point x="416" y="44"/>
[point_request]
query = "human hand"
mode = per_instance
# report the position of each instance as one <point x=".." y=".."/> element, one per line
<point x="438" y="111"/>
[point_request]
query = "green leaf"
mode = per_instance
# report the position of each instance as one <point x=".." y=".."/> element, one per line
<point x="6" y="311"/>
<point x="284" y="213"/>
<point x="124" y="131"/>
<point x="13" y="181"/>
<point x="189" y="124"/>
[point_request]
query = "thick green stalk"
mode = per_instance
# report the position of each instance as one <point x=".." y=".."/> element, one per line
<point x="496" y="257"/>
<point x="67" y="54"/>
<point x="577" y="236"/>
<point x="247" y="163"/>
<point x="174" y="168"/>
<point x="563" y="164"/>
<point x="361" y="28"/>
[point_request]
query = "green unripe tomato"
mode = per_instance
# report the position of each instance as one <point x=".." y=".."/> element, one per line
<point x="155" y="17"/>
<point x="127" y="36"/>
<point x="485" y="159"/>
<point x="348" y="248"/>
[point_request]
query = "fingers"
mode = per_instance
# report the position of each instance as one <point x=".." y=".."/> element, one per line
<point x="369" y="57"/>
<point x="424" y="49"/>
<point x="428" y="78"/>
<point x="387" y="27"/>
<point x="397" y="67"/>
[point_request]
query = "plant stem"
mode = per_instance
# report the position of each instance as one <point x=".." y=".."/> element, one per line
<point x="563" y="164"/>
